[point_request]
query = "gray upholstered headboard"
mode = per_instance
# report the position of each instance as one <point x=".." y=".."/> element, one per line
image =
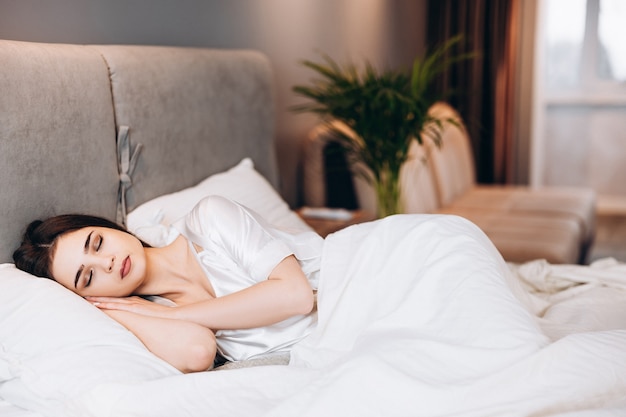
<point x="195" y="111"/>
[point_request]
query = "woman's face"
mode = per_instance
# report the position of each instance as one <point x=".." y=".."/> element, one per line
<point x="98" y="261"/>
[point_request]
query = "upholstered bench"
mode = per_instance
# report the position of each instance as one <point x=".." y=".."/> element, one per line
<point x="525" y="223"/>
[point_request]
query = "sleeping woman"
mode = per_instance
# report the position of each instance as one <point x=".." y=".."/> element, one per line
<point x="420" y="310"/>
<point x="226" y="282"/>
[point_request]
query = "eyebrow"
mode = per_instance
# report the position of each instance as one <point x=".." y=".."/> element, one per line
<point x="85" y="249"/>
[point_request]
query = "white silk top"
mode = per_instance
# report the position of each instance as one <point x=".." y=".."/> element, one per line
<point x="240" y="249"/>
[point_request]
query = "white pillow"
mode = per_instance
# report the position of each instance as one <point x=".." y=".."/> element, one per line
<point x="241" y="183"/>
<point x="55" y="346"/>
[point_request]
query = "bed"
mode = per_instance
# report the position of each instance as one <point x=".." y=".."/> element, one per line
<point x="418" y="314"/>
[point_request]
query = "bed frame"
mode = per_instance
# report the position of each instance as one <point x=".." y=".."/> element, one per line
<point x="72" y="117"/>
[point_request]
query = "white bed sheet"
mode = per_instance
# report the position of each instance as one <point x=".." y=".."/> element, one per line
<point x="575" y="298"/>
<point x="9" y="410"/>
<point x="419" y="316"/>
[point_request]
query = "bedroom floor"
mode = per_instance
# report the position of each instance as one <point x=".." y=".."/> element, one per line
<point x="610" y="237"/>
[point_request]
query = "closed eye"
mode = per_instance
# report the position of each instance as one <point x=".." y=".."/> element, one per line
<point x="98" y="243"/>
<point x="89" y="277"/>
<point x="86" y="247"/>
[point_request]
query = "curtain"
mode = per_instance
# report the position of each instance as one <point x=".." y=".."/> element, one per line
<point x="481" y="89"/>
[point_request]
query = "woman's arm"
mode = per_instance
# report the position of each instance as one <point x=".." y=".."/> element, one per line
<point x="281" y="289"/>
<point x="284" y="294"/>
<point x="189" y="347"/>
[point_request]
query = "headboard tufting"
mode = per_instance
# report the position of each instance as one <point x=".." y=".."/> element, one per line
<point x="195" y="112"/>
<point x="57" y="130"/>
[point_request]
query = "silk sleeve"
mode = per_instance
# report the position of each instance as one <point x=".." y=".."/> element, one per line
<point x="237" y="235"/>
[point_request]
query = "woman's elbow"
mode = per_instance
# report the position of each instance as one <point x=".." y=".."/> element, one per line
<point x="295" y="289"/>
<point x="200" y="355"/>
<point x="305" y="301"/>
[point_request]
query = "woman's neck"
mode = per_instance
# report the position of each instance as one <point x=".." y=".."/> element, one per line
<point x="173" y="272"/>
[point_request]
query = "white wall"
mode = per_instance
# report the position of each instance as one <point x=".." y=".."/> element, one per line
<point x="385" y="32"/>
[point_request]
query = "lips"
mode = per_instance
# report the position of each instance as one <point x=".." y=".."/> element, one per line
<point x="125" y="267"/>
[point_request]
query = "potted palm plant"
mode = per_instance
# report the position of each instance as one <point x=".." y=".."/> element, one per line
<point x="385" y="112"/>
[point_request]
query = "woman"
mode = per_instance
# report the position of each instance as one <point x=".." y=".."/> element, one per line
<point x="224" y="273"/>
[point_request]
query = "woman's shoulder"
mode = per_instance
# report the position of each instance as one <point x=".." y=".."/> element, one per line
<point x="214" y="212"/>
<point x="216" y="201"/>
<point x="214" y="205"/>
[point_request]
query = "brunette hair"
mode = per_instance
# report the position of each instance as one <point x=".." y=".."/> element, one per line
<point x="35" y="253"/>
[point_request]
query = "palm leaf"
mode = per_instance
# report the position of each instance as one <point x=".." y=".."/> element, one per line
<point x="387" y="109"/>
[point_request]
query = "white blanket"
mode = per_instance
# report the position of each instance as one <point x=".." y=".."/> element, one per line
<point x="419" y="316"/>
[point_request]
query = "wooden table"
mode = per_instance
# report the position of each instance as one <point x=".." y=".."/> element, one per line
<point x="324" y="227"/>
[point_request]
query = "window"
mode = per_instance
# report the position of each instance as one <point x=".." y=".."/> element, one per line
<point x="611" y="34"/>
<point x="579" y="98"/>
<point x="585" y="49"/>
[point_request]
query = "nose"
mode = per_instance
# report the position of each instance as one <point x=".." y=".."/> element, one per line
<point x="106" y="263"/>
<point x="111" y="263"/>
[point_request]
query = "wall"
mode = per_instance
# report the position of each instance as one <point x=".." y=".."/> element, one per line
<point x="385" y="32"/>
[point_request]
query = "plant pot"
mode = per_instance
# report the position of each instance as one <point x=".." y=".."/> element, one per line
<point x="388" y="197"/>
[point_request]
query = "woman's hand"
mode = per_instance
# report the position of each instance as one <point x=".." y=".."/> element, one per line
<point x="132" y="304"/>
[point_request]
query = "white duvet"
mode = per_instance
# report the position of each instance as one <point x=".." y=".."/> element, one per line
<point x="418" y="316"/>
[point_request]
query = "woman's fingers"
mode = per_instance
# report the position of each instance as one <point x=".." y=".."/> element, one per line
<point x="112" y="303"/>
<point x="133" y="299"/>
<point x="136" y="305"/>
